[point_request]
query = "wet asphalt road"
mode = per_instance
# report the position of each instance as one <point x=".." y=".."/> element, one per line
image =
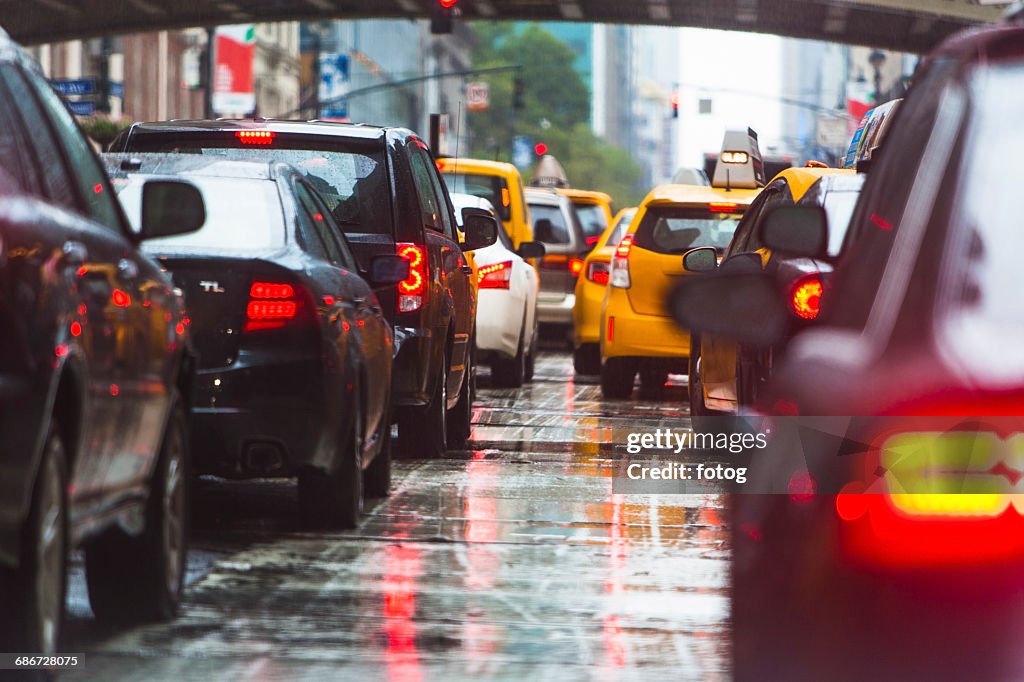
<point x="513" y="560"/>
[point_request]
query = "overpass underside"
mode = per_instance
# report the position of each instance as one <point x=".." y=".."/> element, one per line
<point x="907" y="25"/>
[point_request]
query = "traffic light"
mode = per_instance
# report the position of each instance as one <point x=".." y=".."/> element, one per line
<point x="441" y="16"/>
<point x="675" y="104"/>
<point x="518" y="103"/>
<point x="540" y="149"/>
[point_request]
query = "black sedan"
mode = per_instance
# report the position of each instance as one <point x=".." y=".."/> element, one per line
<point x="295" y="355"/>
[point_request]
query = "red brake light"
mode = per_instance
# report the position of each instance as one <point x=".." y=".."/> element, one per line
<point x="272" y="305"/>
<point x="622" y="250"/>
<point x="575" y="266"/>
<point x="495" y="275"/>
<point x="598" y="272"/>
<point x="255" y="136"/>
<point x="410" y="290"/>
<point x="723" y="207"/>
<point x="805" y="297"/>
<point x="592" y="240"/>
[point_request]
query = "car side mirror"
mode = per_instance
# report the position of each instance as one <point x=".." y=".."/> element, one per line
<point x="796" y="231"/>
<point x="544" y="230"/>
<point x="744" y="307"/>
<point x="171" y="207"/>
<point x="479" y="227"/>
<point x="703" y="259"/>
<point x="388" y="269"/>
<point x="530" y="250"/>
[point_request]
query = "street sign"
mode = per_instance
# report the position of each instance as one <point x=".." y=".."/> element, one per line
<point x="478" y="97"/>
<point x="85" y="108"/>
<point x="334" y="84"/>
<point x="522" y="152"/>
<point x="234" y="90"/>
<point x="74" y="86"/>
<point x="117" y="90"/>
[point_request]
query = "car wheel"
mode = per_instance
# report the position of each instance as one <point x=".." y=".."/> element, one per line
<point x="531" y="357"/>
<point x="423" y="431"/>
<point x="377" y="476"/>
<point x="32" y="595"/>
<point x="586" y="359"/>
<point x="617" y="376"/>
<point x="511" y="373"/>
<point x="652" y="383"/>
<point x="460" y="418"/>
<point x="141" y="579"/>
<point x="335" y="499"/>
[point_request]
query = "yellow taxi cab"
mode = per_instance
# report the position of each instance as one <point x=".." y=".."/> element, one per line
<point x="724" y="375"/>
<point x="594" y="210"/>
<point x="499" y="183"/>
<point x="637" y="333"/>
<point x="590" y="295"/>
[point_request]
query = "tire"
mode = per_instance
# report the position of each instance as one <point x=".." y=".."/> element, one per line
<point x="141" y="579"/>
<point x="377" y="476"/>
<point x="652" y="383"/>
<point x="423" y="431"/>
<point x="586" y="359"/>
<point x="460" y="418"/>
<point x="512" y="372"/>
<point x="617" y="376"/>
<point x="32" y="595"/>
<point x="335" y="499"/>
<point x="531" y="357"/>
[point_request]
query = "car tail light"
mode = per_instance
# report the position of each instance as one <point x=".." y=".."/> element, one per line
<point x="495" y="275"/>
<point x="619" y="276"/>
<point x="575" y="266"/>
<point x="411" y="289"/>
<point x="273" y="305"/>
<point x="598" y="271"/>
<point x="261" y="137"/>
<point x="805" y="297"/>
<point x="592" y="241"/>
<point x="723" y="207"/>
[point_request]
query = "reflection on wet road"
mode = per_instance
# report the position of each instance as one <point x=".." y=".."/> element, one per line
<point x="512" y="560"/>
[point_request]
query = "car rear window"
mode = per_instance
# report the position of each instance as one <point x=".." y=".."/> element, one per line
<point x="559" y="233"/>
<point x="678" y="229"/>
<point x="241" y="215"/>
<point x="350" y="175"/>
<point x="594" y="220"/>
<point x="491" y="187"/>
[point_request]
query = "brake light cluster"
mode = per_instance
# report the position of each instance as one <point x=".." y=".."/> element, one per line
<point x="619" y="276"/>
<point x="558" y="262"/>
<point x="495" y="275"/>
<point x="261" y="137"/>
<point x="805" y="297"/>
<point x="272" y="305"/>
<point x="598" y="272"/>
<point x="411" y="289"/>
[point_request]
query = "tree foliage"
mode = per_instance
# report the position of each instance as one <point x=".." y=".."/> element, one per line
<point x="556" y="110"/>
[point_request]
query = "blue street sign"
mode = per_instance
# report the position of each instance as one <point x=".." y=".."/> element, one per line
<point x="82" y="108"/>
<point x="77" y="86"/>
<point x="522" y="152"/>
<point x="117" y="89"/>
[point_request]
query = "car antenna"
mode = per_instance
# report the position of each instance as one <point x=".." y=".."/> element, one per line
<point x="728" y="182"/>
<point x="458" y="129"/>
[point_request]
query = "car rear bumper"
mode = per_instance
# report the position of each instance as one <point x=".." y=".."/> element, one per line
<point x="556" y="311"/>
<point x="637" y="335"/>
<point x="499" y="322"/>
<point x="262" y="416"/>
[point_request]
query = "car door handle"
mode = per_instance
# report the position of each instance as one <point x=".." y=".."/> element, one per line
<point x="127" y="269"/>
<point x="75" y="253"/>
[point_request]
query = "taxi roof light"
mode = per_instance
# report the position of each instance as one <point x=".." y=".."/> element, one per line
<point x="735" y="157"/>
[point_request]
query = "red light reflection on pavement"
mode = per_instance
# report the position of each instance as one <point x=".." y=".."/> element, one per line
<point x="401" y="569"/>
<point x="479" y="506"/>
<point x="611" y="633"/>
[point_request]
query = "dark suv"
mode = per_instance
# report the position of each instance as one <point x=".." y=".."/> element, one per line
<point x="384" y="190"/>
<point x="93" y="376"/>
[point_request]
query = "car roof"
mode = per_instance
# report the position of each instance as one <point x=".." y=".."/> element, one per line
<point x="800" y="179"/>
<point x="587" y="196"/>
<point x="325" y="128"/>
<point x="843" y="182"/>
<point x="697" y="195"/>
<point x="452" y="164"/>
<point x="540" y="195"/>
<point x="461" y="201"/>
<point x="12" y="53"/>
<point x="193" y="164"/>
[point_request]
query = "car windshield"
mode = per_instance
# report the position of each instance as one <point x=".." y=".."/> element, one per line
<point x="255" y="224"/>
<point x="559" y="232"/>
<point x="982" y="299"/>
<point x="351" y="177"/>
<point x="490" y="187"/>
<point x="593" y="219"/>
<point x="676" y="230"/>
